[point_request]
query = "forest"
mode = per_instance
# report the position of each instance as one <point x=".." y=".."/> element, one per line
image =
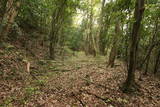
<point x="79" y="53"/>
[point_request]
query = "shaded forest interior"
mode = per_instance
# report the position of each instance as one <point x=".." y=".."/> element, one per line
<point x="79" y="53"/>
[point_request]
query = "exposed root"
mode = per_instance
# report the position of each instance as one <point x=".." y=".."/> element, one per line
<point x="130" y="88"/>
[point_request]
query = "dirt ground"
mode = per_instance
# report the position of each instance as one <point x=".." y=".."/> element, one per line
<point x="78" y="83"/>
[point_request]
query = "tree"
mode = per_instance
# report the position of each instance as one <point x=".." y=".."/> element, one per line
<point x="57" y="21"/>
<point x="151" y="47"/>
<point x="90" y="44"/>
<point x="102" y="41"/>
<point x="157" y="62"/>
<point x="113" y="52"/>
<point x="130" y="83"/>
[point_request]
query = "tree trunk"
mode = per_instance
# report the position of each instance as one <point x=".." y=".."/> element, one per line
<point x="86" y="38"/>
<point x="130" y="81"/>
<point x="113" y="52"/>
<point x="151" y="47"/>
<point x="101" y="33"/>
<point x="90" y="43"/>
<point x="157" y="63"/>
<point x="57" y="20"/>
<point x="147" y="64"/>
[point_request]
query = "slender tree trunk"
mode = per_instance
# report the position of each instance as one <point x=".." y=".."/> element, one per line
<point x="101" y="33"/>
<point x="128" y="33"/>
<point x="113" y="52"/>
<point x="151" y="47"/>
<point x="147" y="64"/>
<point x="91" y="29"/>
<point x="86" y="39"/>
<point x="130" y="81"/>
<point x="90" y="43"/>
<point x="57" y="20"/>
<point x="157" y="63"/>
<point x="147" y="58"/>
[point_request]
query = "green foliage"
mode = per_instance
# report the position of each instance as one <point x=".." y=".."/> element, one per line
<point x="33" y="24"/>
<point x="75" y="39"/>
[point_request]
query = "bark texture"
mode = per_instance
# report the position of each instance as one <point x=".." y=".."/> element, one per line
<point x="130" y="81"/>
<point x="114" y="48"/>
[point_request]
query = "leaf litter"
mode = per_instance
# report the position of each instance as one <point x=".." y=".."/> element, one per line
<point x="86" y="83"/>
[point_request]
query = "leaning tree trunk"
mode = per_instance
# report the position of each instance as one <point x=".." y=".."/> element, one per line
<point x="147" y="58"/>
<point x="151" y="47"/>
<point x="130" y="81"/>
<point x="113" y="52"/>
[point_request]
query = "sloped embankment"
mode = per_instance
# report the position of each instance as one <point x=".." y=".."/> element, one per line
<point x="12" y="72"/>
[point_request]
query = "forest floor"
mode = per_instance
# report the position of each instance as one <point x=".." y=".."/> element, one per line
<point x="77" y="82"/>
